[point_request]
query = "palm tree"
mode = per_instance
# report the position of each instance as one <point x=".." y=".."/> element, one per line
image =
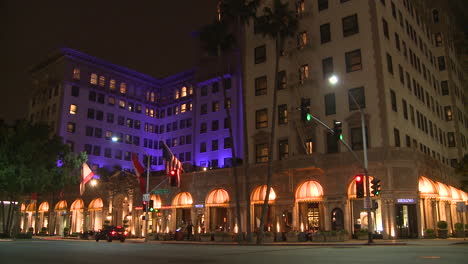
<point x="277" y="23"/>
<point x="238" y="13"/>
<point x="219" y="40"/>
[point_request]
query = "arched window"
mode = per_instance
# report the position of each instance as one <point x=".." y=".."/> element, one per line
<point x="123" y="88"/>
<point x="93" y="79"/>
<point x="337" y="219"/>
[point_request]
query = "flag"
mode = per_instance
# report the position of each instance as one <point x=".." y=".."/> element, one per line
<point x="172" y="164"/>
<point x="86" y="175"/>
<point x="139" y="170"/>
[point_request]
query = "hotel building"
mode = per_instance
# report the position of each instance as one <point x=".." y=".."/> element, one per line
<point x="397" y="59"/>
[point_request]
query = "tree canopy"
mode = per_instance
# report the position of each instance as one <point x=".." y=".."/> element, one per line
<point x="34" y="161"/>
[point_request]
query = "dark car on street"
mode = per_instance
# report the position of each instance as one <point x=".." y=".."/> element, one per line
<point x="110" y="233"/>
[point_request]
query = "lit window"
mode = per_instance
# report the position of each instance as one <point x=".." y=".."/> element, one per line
<point x="300" y="8"/>
<point x="191" y="90"/>
<point x="71" y="127"/>
<point x="123" y="88"/>
<point x="112" y="84"/>
<point x="303" y="73"/>
<point x="302" y="40"/>
<point x="152" y="97"/>
<point x="93" y="79"/>
<point x="76" y="73"/>
<point x="176" y="94"/>
<point x="102" y="81"/>
<point x="183" y="92"/>
<point x="261" y="153"/>
<point x="176" y="110"/>
<point x="183" y="108"/>
<point x="151" y="113"/>
<point x="122" y="104"/>
<point x="73" y="109"/>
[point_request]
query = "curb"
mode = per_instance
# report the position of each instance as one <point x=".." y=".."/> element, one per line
<point x="281" y="244"/>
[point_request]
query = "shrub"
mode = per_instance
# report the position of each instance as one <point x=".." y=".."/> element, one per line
<point x="31" y="230"/>
<point x="268" y="234"/>
<point x="442" y="225"/>
<point x="459" y="226"/>
<point x="429" y="233"/>
<point x="44" y="229"/>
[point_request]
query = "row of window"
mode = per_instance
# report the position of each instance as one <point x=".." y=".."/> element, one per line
<point x="215" y="145"/>
<point x="227" y="84"/>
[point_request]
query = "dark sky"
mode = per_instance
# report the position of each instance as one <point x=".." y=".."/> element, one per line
<point x="149" y="36"/>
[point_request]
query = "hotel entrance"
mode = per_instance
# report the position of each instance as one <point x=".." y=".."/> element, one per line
<point x="406" y="221"/>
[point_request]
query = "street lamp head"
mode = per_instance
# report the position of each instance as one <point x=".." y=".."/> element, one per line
<point x="115" y="139"/>
<point x="93" y="182"/>
<point x="333" y="79"/>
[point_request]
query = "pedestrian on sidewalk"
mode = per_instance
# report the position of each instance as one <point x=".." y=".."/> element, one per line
<point x="189" y="230"/>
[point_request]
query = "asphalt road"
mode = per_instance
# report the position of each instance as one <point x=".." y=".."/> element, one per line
<point x="70" y="252"/>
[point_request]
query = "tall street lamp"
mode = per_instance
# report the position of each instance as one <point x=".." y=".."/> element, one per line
<point x="333" y="80"/>
<point x="116" y="139"/>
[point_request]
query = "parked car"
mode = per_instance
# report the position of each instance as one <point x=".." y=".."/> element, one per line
<point x="110" y="233"/>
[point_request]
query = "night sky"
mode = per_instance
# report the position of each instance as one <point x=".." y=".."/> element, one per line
<point x="149" y="36"/>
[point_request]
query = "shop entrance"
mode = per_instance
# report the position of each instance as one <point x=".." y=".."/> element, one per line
<point x="406" y="221"/>
<point x="183" y="216"/>
<point x="310" y="215"/>
<point x="218" y="218"/>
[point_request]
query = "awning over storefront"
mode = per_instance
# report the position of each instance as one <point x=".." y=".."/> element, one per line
<point x="156" y="200"/>
<point x="443" y="190"/>
<point x="96" y="204"/>
<point x="61" y="206"/>
<point x="218" y="197"/>
<point x="182" y="200"/>
<point x="309" y="191"/>
<point x="31" y="207"/>
<point x="78" y="204"/>
<point x="427" y="187"/>
<point x="258" y="195"/>
<point x="44" y="207"/>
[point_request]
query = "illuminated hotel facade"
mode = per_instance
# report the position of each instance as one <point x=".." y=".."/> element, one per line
<point x="397" y="58"/>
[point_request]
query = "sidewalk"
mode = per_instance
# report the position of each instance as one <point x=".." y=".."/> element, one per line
<point x="352" y="242"/>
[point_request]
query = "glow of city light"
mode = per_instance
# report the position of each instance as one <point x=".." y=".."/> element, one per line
<point x="333" y="79"/>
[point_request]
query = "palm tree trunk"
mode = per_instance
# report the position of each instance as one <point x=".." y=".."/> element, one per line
<point x="272" y="142"/>
<point x="3" y="217"/>
<point x="248" y="226"/>
<point x="233" y="152"/>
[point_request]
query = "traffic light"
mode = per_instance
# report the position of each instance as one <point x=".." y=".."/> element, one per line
<point x="337" y="131"/>
<point x="145" y="203"/>
<point x="305" y="110"/>
<point x="173" y="178"/>
<point x="151" y="206"/>
<point x="375" y="187"/>
<point x="359" y="186"/>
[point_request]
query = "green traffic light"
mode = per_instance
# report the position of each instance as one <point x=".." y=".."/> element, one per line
<point x="309" y="117"/>
<point x="341" y="136"/>
<point x="151" y="209"/>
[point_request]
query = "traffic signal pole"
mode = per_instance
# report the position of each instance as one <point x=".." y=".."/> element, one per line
<point x="363" y="163"/>
<point x="147" y="191"/>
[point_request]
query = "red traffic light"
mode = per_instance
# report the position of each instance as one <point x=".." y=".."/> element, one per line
<point x="172" y="172"/>
<point x="358" y="178"/>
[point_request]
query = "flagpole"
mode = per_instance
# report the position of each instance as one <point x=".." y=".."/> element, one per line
<point x="147" y="191"/>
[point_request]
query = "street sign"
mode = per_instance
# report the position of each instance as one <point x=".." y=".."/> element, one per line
<point x="461" y="207"/>
<point x="146" y="197"/>
<point x="161" y="191"/>
<point x="367" y="203"/>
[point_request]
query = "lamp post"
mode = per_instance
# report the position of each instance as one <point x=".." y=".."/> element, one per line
<point x="115" y="139"/>
<point x="334" y="80"/>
